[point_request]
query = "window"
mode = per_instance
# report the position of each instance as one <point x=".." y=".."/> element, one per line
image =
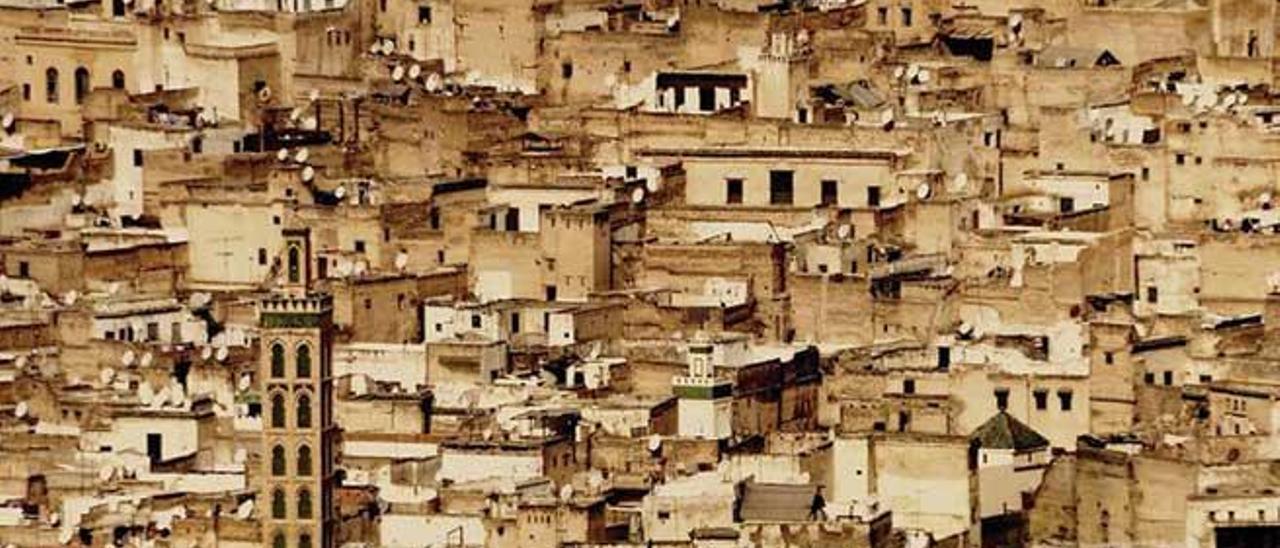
<point x="733" y="191"/>
<point x="304" y="504"/>
<point x="277" y="461"/>
<point x="278" y="541"/>
<point x="277" y="411"/>
<point x="882" y="15"/>
<point x="117" y="79"/>
<point x="707" y="98"/>
<point x="137" y="157"/>
<point x="781" y="186"/>
<point x="944" y="352"/>
<point x="551" y="292"/>
<point x="82" y="84"/>
<point x="475" y="321"/>
<point x="1149" y="378"/>
<point x="1168" y="378"/>
<point x="424" y="14"/>
<point x="1153" y="294"/>
<point x="873" y="196"/>
<point x="51" y="85"/>
<point x="262" y="256"/>
<point x="24" y="269"/>
<point x="434" y="218"/>
<point x="304" y="411"/>
<point x="906" y="16"/>
<point x="26" y="92"/>
<point x="908" y="386"/>
<point x="303" y="361"/>
<point x="294" y="264"/>
<point x="515" y="322"/>
<point x="830" y="192"/>
<point x="153" y="331"/>
<point x="117" y="8"/>
<point x="1066" y="205"/>
<point x="1042" y="399"/>
<point x="1180" y="159"/>
<point x="359" y="246"/>
<point x="382" y="6"/>
<point x="175" y="332"/>
<point x="277" y="504"/>
<point x="304" y="460"/>
<point x="1064" y="399"/>
<point x="512" y="221"/>
<point x="1002" y="399"/>
<point x="304" y="541"/>
<point x="277" y="360"/>
<point x="1109" y="357"/>
<point x="1146" y="174"/>
<point x="566" y="70"/>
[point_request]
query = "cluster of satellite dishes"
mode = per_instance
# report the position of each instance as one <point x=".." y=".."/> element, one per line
<point x="641" y="192"/>
<point x="129" y="359"/>
<point x="912" y="74"/>
<point x="299" y="157"/>
<point x="172" y="395"/>
<point x="399" y="73"/>
<point x="218" y="353"/>
<point x="1202" y="98"/>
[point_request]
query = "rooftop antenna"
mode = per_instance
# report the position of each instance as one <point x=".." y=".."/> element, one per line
<point x="264" y="94"/>
<point x="388" y="47"/>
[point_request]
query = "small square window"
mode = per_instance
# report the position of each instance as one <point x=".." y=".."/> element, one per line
<point x="359" y="246"/>
<point x="909" y="386"/>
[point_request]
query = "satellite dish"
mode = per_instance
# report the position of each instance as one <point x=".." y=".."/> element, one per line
<point x="113" y="288"/>
<point x="924" y="191"/>
<point x="206" y="353"/>
<point x="843" y="231"/>
<point x="434" y="82"/>
<point x="221" y="354"/>
<point x="397" y="73"/>
<point x="923" y="76"/>
<point x="961" y="180"/>
<point x="77" y="200"/>
<point x="8" y="120"/>
<point x="308" y="174"/>
<point x="302" y="155"/>
<point x="652" y="185"/>
<point x="127" y="358"/>
<point x="244" y="382"/>
<point x="69" y="298"/>
<point x="375" y="48"/>
<point x="264" y="94"/>
<point x="898" y="72"/>
<point x="245" y="510"/>
<point x="314" y="95"/>
<point x="145" y="393"/>
<point x="309" y="123"/>
<point x="1015" y="20"/>
<point x="198" y="300"/>
<point x="295" y="114"/>
<point x="21" y="410"/>
<point x="282" y="154"/>
<point x="106" y="473"/>
<point x="655" y="443"/>
<point x="637" y="195"/>
<point x="107" y="375"/>
<point x="388" y="47"/>
<point x="146" y="360"/>
<point x="912" y="72"/>
<point x="340" y="192"/>
<point x="402" y="260"/>
<point x="1264" y="199"/>
<point x="566" y="492"/>
<point x="415" y="72"/>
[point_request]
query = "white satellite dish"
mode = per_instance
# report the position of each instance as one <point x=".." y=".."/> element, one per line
<point x="923" y="76"/>
<point x="77" y="200"/>
<point x="221" y="354"/>
<point x="113" y="288"/>
<point x="106" y="473"/>
<point x="912" y="72"/>
<point x="302" y="155"/>
<point x="655" y="443"/>
<point x="1015" y="20"/>
<point x="402" y="260"/>
<point x="20" y="362"/>
<point x="244" y="382"/>
<point x="434" y="82"/>
<point x="843" y="231"/>
<point x="146" y="359"/>
<point x="898" y="72"/>
<point x="566" y="492"/>
<point x="145" y="393"/>
<point x="161" y="398"/>
<point x="397" y="73"/>
<point x="388" y="47"/>
<point x="961" y="180"/>
<point x="637" y="195"/>
<point x="282" y="154"/>
<point x="1229" y="100"/>
<point x="314" y="95"/>
<point x="21" y="410"/>
<point x="8" y="120"/>
<point x="308" y="174"/>
<point x="206" y="353"/>
<point x="127" y="358"/>
<point x="69" y="298"/>
<point x="295" y="114"/>
<point x="1264" y="199"/>
<point x="340" y="192"/>
<point x="415" y="72"/>
<point x="107" y="375"/>
<point x="375" y="48"/>
<point x="309" y="123"/>
<point x="652" y="185"/>
<point x="264" y="94"/>
<point x="924" y="191"/>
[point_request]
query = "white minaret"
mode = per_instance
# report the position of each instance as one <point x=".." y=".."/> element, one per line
<point x="782" y="75"/>
<point x="705" y="402"/>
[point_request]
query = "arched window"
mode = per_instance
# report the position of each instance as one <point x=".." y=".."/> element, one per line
<point x="277" y="411"/>
<point x="277" y="360"/>
<point x="51" y="85"/>
<point x="304" y="541"/>
<point x="295" y="264"/>
<point x="277" y="504"/>
<point x="277" y="461"/>
<point x="304" y="460"/>
<point x="304" y="504"/>
<point x="82" y="84"/>
<point x="117" y="79"/>
<point x="303" y="360"/>
<point x="304" y="411"/>
<point x="278" y="540"/>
